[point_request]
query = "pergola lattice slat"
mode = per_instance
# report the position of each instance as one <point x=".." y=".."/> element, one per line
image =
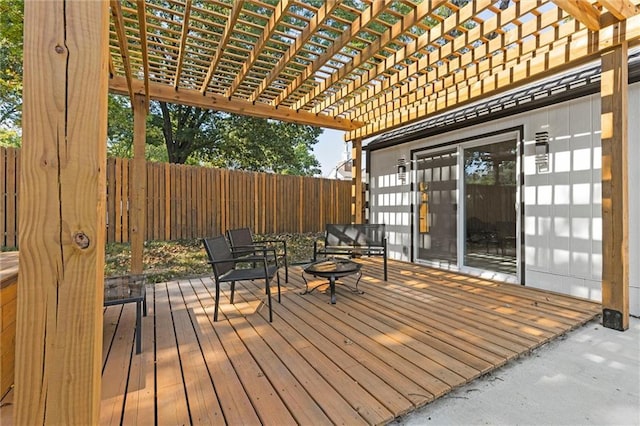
<point x="385" y="63"/>
<point x="576" y="49"/>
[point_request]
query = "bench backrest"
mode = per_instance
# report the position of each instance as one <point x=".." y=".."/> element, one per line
<point x="362" y="234"/>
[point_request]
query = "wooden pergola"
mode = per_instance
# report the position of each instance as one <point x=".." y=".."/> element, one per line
<point x="363" y="66"/>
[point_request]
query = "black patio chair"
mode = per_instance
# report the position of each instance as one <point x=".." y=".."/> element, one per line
<point x="242" y="239"/>
<point x="224" y="265"/>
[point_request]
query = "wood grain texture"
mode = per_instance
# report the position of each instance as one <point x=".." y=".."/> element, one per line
<point x="62" y="205"/>
<point x="8" y="306"/>
<point x="265" y="202"/>
<point x="615" y="191"/>
<point x="138" y="209"/>
<point x="365" y="360"/>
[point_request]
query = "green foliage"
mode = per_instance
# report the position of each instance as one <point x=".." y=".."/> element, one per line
<point x="11" y="23"/>
<point x="10" y="138"/>
<point x="185" y="129"/>
<point x="263" y="145"/>
<point x="167" y="260"/>
<point x="120" y="132"/>
<point x="184" y="134"/>
<point x="175" y="133"/>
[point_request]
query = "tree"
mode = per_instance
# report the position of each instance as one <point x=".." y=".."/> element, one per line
<point x="11" y="24"/>
<point x="177" y="133"/>
<point x="120" y="132"/>
<point x="198" y="136"/>
<point x="264" y="145"/>
<point x="185" y="129"/>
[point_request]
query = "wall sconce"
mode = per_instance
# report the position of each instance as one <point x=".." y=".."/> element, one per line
<point x="402" y="170"/>
<point x="542" y="152"/>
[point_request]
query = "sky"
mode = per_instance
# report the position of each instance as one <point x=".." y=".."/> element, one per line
<point x="330" y="151"/>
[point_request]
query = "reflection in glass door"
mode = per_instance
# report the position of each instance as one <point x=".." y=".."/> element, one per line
<point x="437" y="185"/>
<point x="490" y="178"/>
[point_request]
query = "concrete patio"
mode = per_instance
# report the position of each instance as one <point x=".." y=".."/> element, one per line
<point x="591" y="376"/>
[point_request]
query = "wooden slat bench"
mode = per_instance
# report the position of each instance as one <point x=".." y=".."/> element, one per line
<point x="353" y="240"/>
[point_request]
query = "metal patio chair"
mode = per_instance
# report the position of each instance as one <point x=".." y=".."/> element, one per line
<point x="242" y="238"/>
<point x="224" y="264"/>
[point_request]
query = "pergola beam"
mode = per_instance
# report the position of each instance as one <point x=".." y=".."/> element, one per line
<point x="162" y="92"/>
<point x="435" y="76"/>
<point x="142" y="25"/>
<point x="183" y="43"/>
<point x="621" y="9"/>
<point x="468" y="76"/>
<point x="583" y="11"/>
<point x="375" y="62"/>
<point x="116" y="12"/>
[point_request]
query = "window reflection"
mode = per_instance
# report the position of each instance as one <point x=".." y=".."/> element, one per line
<point x="490" y="179"/>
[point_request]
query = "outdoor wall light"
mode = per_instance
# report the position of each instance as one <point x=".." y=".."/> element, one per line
<point x="542" y="151"/>
<point x="402" y="170"/>
<point x="542" y="146"/>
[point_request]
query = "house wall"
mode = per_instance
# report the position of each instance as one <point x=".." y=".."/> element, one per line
<point x="562" y="219"/>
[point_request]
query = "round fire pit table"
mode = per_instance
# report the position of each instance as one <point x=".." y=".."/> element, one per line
<point x="332" y="269"/>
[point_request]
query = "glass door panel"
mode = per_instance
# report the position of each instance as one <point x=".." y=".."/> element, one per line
<point x="490" y="179"/>
<point x="437" y="186"/>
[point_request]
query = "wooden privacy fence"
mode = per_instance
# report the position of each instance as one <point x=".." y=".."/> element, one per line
<point x="192" y="202"/>
<point x="9" y="172"/>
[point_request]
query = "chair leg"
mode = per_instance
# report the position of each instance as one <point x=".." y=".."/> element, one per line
<point x="385" y="267"/>
<point x="233" y="290"/>
<point x="145" y="303"/>
<point x="138" y="328"/>
<point x="266" y="281"/>
<point x="215" y="309"/>
<point x="278" y="278"/>
<point x="286" y="271"/>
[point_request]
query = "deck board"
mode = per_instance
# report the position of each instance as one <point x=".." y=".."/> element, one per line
<point x="171" y="405"/>
<point x="366" y="360"/>
<point x="234" y="401"/>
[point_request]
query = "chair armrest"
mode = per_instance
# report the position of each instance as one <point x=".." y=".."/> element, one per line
<point x="239" y="260"/>
<point x="247" y="249"/>
<point x="263" y="251"/>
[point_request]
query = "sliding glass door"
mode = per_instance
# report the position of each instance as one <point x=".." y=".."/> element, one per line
<point x="466" y="209"/>
<point x="437" y="186"/>
<point x="490" y="178"/>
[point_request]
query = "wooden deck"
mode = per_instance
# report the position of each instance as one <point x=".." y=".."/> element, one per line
<point x="365" y="360"/>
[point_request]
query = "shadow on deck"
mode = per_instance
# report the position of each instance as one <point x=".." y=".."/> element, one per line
<point x="365" y="360"/>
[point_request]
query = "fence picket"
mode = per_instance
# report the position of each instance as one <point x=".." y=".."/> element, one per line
<point x="193" y="202"/>
<point x="3" y="196"/>
<point x="11" y="198"/>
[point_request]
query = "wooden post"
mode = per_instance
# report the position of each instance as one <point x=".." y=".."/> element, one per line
<point x="356" y="181"/>
<point x="138" y="193"/>
<point x="615" y="203"/>
<point x="62" y="213"/>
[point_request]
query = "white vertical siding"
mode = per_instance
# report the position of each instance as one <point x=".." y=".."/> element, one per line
<point x="562" y="218"/>
<point x="562" y="202"/>
<point x="390" y="202"/>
